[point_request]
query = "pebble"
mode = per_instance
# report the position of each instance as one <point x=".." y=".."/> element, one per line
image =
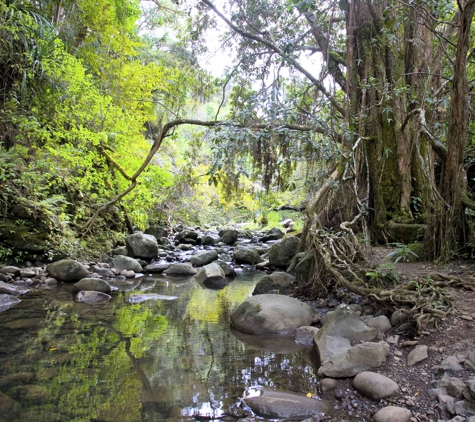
<point x="410" y="343"/>
<point x="466" y="317"/>
<point x="397" y="353"/>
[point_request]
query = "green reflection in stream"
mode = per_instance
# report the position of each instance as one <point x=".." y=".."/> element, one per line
<point x="136" y="362"/>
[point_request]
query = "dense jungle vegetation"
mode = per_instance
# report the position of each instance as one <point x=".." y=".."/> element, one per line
<point x="360" y="110"/>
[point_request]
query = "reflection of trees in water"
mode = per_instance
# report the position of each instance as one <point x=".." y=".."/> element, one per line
<point x="147" y="361"/>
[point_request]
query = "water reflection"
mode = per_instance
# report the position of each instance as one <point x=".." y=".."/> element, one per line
<point x="148" y="361"/>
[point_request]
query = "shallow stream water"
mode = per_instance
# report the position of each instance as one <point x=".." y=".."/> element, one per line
<point x="150" y="361"/>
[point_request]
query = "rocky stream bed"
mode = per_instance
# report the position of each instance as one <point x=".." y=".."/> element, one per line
<point x="369" y="364"/>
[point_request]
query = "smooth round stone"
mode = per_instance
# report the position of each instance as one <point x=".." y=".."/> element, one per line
<point x="392" y="414"/>
<point x="374" y="386"/>
<point x="272" y="314"/>
<point x="92" y="284"/>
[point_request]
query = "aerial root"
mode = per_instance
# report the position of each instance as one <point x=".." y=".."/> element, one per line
<point x="425" y="300"/>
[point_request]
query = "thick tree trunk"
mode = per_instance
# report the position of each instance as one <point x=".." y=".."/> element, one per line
<point x="448" y="227"/>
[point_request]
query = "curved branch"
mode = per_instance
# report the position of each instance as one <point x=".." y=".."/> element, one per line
<point x="164" y="132"/>
<point x="274" y="47"/>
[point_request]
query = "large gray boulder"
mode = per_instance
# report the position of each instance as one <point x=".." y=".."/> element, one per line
<point x="67" y="270"/>
<point x="279" y="404"/>
<point x="211" y="275"/>
<point x="342" y="323"/>
<point x="358" y="358"/>
<point x="203" y="258"/>
<point x="121" y="262"/>
<point x="282" y="251"/>
<point x="272" y="314"/>
<point x="187" y="236"/>
<point x="142" y="245"/>
<point x="333" y="341"/>
<point x="280" y="281"/>
<point x="246" y="255"/>
<point x="181" y="268"/>
<point x="92" y="284"/>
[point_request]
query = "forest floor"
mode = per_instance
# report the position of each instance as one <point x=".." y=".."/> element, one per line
<point x="454" y="336"/>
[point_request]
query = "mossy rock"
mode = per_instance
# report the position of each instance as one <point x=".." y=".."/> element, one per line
<point x="417" y="248"/>
<point x="406" y="233"/>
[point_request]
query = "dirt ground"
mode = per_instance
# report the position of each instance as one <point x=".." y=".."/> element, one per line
<point x="454" y="336"/>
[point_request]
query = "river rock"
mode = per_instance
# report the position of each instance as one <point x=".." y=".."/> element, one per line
<point x="10" y="269"/>
<point x="272" y="314"/>
<point x="8" y="406"/>
<point x="67" y="270"/>
<point x="121" y="262"/>
<point x="12" y="289"/>
<point x="211" y="275"/>
<point x="374" y="386"/>
<point x="417" y="355"/>
<point x="246" y="255"/>
<point x="272" y="234"/>
<point x="92" y="284"/>
<point x="138" y="298"/>
<point x="203" y="258"/>
<point x="280" y="281"/>
<point x="30" y="393"/>
<point x="228" y="270"/>
<point x="392" y="414"/>
<point x="282" y="251"/>
<point x="7" y="301"/>
<point x="16" y="378"/>
<point x="157" y="231"/>
<point x="181" y="268"/>
<point x="358" y="358"/>
<point x="343" y="323"/>
<point x="228" y="236"/>
<point x="209" y="240"/>
<point x="279" y="404"/>
<point x="156" y="268"/>
<point x="93" y="298"/>
<point x="305" y="335"/>
<point x="380" y="323"/>
<point x="187" y="236"/>
<point x="142" y="245"/>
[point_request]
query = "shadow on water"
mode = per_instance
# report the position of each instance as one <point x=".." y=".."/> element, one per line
<point x="148" y="361"/>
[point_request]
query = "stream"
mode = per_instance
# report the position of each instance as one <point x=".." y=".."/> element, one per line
<point x="149" y="361"/>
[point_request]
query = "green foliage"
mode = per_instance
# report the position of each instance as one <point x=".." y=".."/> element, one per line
<point x="401" y="252"/>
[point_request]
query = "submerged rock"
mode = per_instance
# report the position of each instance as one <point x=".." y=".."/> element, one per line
<point x="12" y="289"/>
<point x="67" y="270"/>
<point x="272" y="314"/>
<point x="7" y="301"/>
<point x="93" y="298"/>
<point x="279" y="404"/>
<point x="151" y="296"/>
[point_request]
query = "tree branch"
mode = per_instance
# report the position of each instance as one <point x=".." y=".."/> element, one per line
<point x="164" y="132"/>
<point x="274" y="47"/>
